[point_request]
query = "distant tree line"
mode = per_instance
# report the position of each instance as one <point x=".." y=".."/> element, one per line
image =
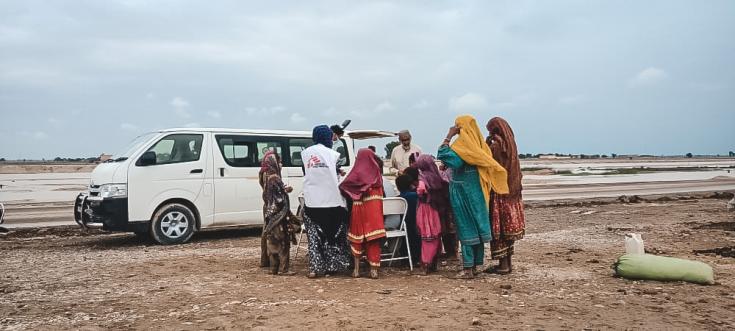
<point x="77" y="159"/>
<point x="579" y="156"/>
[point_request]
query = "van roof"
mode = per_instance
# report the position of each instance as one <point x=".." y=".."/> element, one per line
<point x="252" y="131"/>
<point x="354" y="134"/>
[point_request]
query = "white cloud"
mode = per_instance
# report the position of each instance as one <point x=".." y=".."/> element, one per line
<point x="150" y="96"/>
<point x="264" y="111"/>
<point x="503" y="105"/>
<point x="468" y="103"/>
<point x="192" y="125"/>
<point x="214" y="114"/>
<point x="56" y="123"/>
<point x="330" y="112"/>
<point x="297" y="118"/>
<point x="128" y="127"/>
<point x="648" y="76"/>
<point x="180" y="107"/>
<point x="40" y="135"/>
<point x="422" y="104"/>
<point x="571" y="100"/>
<point x="384" y="106"/>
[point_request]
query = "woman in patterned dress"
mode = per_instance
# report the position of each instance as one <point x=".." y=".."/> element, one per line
<point x="506" y="210"/>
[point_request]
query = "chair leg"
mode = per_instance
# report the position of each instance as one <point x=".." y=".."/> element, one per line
<point x="408" y="249"/>
<point x="298" y="244"/>
<point x="395" y="249"/>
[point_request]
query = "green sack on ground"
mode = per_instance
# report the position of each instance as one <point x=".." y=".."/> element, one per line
<point x="652" y="267"/>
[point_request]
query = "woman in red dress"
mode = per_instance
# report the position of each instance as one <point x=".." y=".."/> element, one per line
<point x="506" y="210"/>
<point x="364" y="185"/>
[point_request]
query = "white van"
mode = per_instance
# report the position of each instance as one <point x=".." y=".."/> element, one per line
<point x="171" y="183"/>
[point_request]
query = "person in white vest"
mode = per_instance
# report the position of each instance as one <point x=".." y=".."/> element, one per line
<point x="325" y="211"/>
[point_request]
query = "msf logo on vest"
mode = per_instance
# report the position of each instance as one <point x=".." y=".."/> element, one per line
<point x="315" y="162"/>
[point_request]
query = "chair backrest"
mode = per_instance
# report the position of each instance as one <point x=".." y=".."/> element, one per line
<point x="396" y="206"/>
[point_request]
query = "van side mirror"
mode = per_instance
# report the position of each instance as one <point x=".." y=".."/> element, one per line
<point x="148" y="158"/>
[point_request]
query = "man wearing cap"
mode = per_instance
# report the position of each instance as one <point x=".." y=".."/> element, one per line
<point x="399" y="158"/>
<point x="337" y="133"/>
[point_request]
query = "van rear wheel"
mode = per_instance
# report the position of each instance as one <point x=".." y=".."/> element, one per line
<point x="172" y="224"/>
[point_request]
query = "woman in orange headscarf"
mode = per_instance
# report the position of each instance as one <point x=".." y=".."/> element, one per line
<point x="506" y="211"/>
<point x="475" y="174"/>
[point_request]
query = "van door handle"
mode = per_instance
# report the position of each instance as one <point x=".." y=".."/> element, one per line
<point x="221" y="172"/>
<point x="196" y="171"/>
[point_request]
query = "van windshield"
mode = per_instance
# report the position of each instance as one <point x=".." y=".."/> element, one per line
<point x="133" y="146"/>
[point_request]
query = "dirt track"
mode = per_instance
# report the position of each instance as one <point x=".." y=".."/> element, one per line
<point x="56" y="278"/>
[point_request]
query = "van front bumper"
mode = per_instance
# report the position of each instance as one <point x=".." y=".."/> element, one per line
<point x="107" y="214"/>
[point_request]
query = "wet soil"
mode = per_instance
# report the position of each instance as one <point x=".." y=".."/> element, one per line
<point x="61" y="278"/>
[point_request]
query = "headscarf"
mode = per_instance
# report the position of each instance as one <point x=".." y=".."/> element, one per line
<point x="366" y="174"/>
<point x="505" y="152"/>
<point x="276" y="208"/>
<point x="429" y="173"/>
<point x="436" y="186"/>
<point x="322" y="134"/>
<point x="472" y="149"/>
<point x="268" y="167"/>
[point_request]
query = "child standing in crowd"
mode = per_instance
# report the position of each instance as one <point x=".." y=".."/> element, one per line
<point x="364" y="185"/>
<point x="404" y="183"/>
<point x="431" y="191"/>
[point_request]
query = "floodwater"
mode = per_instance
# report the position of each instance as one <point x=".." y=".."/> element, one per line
<point x="602" y="164"/>
<point x="668" y="176"/>
<point x="64" y="187"/>
<point x="43" y="187"/>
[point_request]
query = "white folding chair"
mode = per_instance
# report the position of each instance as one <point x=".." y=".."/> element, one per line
<point x="397" y="206"/>
<point x="301" y="211"/>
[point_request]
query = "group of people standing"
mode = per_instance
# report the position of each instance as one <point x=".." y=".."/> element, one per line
<point x="469" y="195"/>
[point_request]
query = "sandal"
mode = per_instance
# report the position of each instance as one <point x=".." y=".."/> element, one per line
<point x="464" y="274"/>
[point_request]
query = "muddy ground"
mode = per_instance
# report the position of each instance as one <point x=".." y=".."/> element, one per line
<point x="58" y="278"/>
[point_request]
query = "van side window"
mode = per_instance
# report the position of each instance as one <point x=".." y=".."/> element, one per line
<point x="265" y="146"/>
<point x="246" y="151"/>
<point x="236" y="152"/>
<point x="295" y="147"/>
<point x="177" y="148"/>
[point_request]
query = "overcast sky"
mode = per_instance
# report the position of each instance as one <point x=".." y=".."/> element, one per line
<point x="78" y="78"/>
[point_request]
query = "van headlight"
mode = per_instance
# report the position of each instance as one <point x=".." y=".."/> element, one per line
<point x="114" y="191"/>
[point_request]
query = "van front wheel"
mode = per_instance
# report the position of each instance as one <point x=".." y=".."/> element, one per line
<point x="172" y="224"/>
